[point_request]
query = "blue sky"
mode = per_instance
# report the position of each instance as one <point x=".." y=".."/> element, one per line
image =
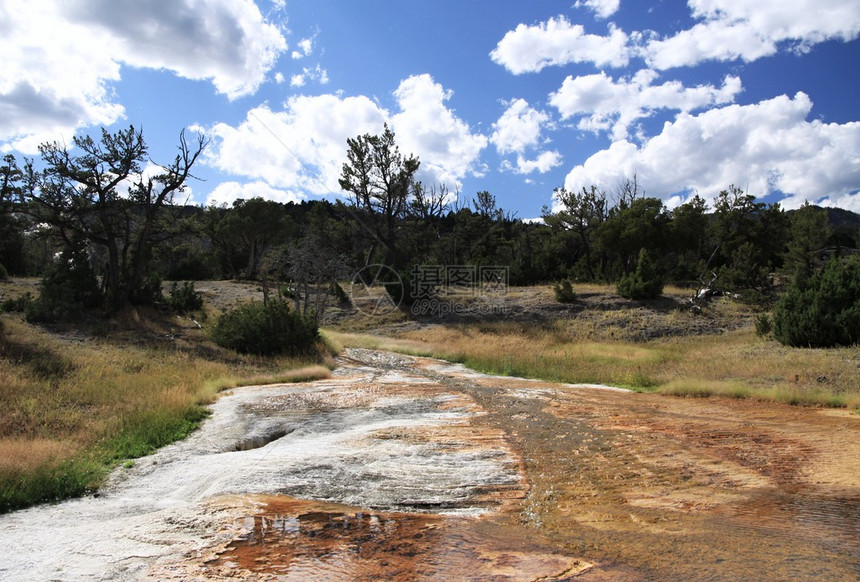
<point x="517" y="98"/>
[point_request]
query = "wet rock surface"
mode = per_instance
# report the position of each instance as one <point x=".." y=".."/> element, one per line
<point x="409" y="468"/>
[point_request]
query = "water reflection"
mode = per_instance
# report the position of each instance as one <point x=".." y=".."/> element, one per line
<point x="307" y="540"/>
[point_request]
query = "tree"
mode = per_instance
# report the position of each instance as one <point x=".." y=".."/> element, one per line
<point x="810" y="230"/>
<point x="750" y="239"/>
<point x="581" y="213"/>
<point x="314" y="270"/>
<point x="687" y="238"/>
<point x="823" y="310"/>
<point x="250" y="229"/>
<point x="380" y="182"/>
<point x="15" y="183"/>
<point x="430" y="204"/>
<point x="485" y="205"/>
<point x="639" y="224"/>
<point x="644" y="282"/>
<point x="102" y="196"/>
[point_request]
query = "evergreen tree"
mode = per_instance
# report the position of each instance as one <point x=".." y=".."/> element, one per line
<point x="644" y="283"/>
<point x="823" y="310"/>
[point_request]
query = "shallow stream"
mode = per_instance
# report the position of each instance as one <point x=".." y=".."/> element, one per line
<point x="409" y="468"/>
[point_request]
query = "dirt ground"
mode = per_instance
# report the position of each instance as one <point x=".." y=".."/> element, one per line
<point x="615" y="486"/>
<point x="612" y="485"/>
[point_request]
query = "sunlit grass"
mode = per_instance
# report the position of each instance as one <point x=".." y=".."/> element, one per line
<point x="339" y="340"/>
<point x="734" y="365"/>
<point x="71" y="408"/>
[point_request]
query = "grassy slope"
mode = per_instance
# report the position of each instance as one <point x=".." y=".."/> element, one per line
<point x="72" y="407"/>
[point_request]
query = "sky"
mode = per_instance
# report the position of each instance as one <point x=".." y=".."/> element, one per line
<point x="516" y="98"/>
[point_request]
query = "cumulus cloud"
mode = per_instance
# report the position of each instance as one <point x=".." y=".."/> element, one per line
<point x="529" y="49"/>
<point x="298" y="149"/>
<point x="227" y="42"/>
<point x="725" y="30"/>
<point x="544" y="162"/>
<point x="60" y="58"/>
<point x="425" y="126"/>
<point x="302" y="148"/>
<point x="603" y="104"/>
<point x="764" y="147"/>
<point x="518" y="129"/>
<point x="752" y="29"/>
<point x="601" y="8"/>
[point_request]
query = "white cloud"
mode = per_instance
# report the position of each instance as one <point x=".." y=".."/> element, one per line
<point x="302" y="148"/>
<point x="528" y="49"/>
<point x="545" y="162"/>
<point x="316" y="73"/>
<point x="518" y="127"/>
<point x="303" y="48"/>
<point x="299" y="149"/>
<point x="764" y="147"/>
<point x="726" y="30"/>
<point x="603" y="104"/>
<point x="425" y="126"/>
<point x="601" y="8"/>
<point x="60" y="57"/>
<point x="751" y="29"/>
<point x="226" y="192"/>
<point x="227" y="42"/>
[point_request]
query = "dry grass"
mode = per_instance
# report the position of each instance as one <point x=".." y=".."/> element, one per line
<point x="72" y="404"/>
<point x="338" y="340"/>
<point x="735" y="364"/>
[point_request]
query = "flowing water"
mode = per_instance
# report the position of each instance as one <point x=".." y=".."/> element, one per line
<point x="408" y="468"/>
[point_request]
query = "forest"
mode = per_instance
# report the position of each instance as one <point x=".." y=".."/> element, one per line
<point x="107" y="237"/>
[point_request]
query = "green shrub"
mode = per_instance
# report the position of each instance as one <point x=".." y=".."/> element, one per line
<point x="644" y="282"/>
<point x="68" y="287"/>
<point x="564" y="292"/>
<point x="185" y="298"/>
<point x="339" y="294"/>
<point x="763" y="325"/>
<point x="3" y="273"/>
<point x="265" y="329"/>
<point x="20" y="304"/>
<point x="823" y="310"/>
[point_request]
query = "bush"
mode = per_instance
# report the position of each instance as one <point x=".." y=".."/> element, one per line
<point x="763" y="325"/>
<point x="823" y="310"/>
<point x="339" y="294"/>
<point x="185" y="298"/>
<point x="265" y="329"/>
<point x="644" y="282"/>
<point x="19" y="304"/>
<point x="68" y="287"/>
<point x="3" y="273"/>
<point x="564" y="292"/>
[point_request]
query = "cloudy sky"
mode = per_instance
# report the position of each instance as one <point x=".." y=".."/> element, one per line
<point x="513" y="97"/>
